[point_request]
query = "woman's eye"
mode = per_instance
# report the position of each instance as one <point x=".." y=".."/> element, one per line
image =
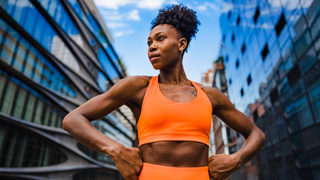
<point x="149" y="43"/>
<point x="160" y="38"/>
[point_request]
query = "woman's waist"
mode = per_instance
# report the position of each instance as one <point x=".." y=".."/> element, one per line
<point x="175" y="153"/>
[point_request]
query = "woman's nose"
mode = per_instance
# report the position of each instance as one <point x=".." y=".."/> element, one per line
<point x="151" y="49"/>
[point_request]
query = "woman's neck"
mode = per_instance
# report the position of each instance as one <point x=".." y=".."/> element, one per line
<point x="175" y="75"/>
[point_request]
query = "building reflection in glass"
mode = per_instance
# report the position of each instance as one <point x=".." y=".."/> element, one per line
<point x="273" y="77"/>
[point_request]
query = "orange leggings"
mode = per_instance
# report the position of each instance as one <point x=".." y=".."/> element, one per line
<point x="158" y="172"/>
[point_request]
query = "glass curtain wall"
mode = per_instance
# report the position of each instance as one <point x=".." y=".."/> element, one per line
<point x="274" y="75"/>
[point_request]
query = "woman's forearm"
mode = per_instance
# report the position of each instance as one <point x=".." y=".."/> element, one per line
<point x="254" y="142"/>
<point x="82" y="130"/>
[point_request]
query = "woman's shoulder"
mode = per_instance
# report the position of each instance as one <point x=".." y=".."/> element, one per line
<point x="205" y="88"/>
<point x="138" y="81"/>
<point x="210" y="91"/>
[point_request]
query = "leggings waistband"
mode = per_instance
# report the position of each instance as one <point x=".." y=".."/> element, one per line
<point x="161" y="167"/>
<point x="160" y="172"/>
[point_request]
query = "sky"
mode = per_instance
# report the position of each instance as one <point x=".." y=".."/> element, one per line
<point x="129" y="22"/>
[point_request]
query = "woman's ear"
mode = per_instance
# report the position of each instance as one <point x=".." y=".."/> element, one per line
<point x="182" y="44"/>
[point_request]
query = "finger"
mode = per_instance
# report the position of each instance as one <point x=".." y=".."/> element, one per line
<point x="134" y="177"/>
<point x="211" y="158"/>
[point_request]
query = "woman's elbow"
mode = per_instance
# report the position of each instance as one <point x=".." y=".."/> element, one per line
<point x="66" y="122"/>
<point x="263" y="138"/>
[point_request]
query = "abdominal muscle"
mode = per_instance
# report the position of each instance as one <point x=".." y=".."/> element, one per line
<point x="175" y="153"/>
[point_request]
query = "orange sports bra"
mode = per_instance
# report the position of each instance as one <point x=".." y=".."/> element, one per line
<point x="164" y="120"/>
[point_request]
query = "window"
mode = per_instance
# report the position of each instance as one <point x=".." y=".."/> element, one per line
<point x="21" y="149"/>
<point x="310" y="137"/>
<point x="280" y="24"/>
<point x="8" y="46"/>
<point x="293" y="75"/>
<point x="229" y="14"/>
<point x="274" y="95"/>
<point x="314" y="95"/>
<point x="32" y="64"/>
<point x="61" y="17"/>
<point x="243" y="49"/>
<point x="237" y="64"/>
<point x="249" y="80"/>
<point x="232" y="39"/>
<point x="308" y="60"/>
<point x="36" y="29"/>
<point x="230" y="81"/>
<point x="303" y="111"/>
<point x="241" y="92"/>
<point x="256" y="15"/>
<point x="227" y="58"/>
<point x="8" y="97"/>
<point x="107" y="66"/>
<point x="265" y="52"/>
<point x="238" y="20"/>
<point x="23" y="103"/>
<point x="297" y="142"/>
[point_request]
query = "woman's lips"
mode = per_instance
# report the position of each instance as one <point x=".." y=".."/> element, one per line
<point x="154" y="58"/>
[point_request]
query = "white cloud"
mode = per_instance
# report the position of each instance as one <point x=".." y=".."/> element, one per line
<point x="150" y="4"/>
<point x="116" y="25"/>
<point x="226" y="7"/>
<point x="111" y="15"/>
<point x="115" y="4"/>
<point x="114" y="15"/>
<point x="134" y="15"/>
<point x="122" y="33"/>
<point x="206" y="5"/>
<point x="172" y="2"/>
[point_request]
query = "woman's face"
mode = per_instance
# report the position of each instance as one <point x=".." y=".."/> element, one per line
<point x="164" y="44"/>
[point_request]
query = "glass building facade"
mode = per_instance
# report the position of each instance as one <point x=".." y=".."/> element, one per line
<point x="271" y="51"/>
<point x="54" y="56"/>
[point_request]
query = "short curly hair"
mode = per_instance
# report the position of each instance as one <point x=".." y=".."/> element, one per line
<point x="180" y="17"/>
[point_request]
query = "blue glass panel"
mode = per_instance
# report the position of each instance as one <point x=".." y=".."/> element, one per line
<point x="314" y="95"/>
<point x="20" y="11"/>
<point x="60" y="14"/>
<point x="52" y="8"/>
<point x="306" y="4"/>
<point x="113" y="57"/>
<point x="47" y="37"/>
<point x="45" y="3"/>
<point x="3" y="28"/>
<point x="304" y="112"/>
<point x="297" y="141"/>
<point x="107" y="66"/>
<point x="38" y="31"/>
<point x="32" y="14"/>
<point x="293" y="124"/>
<point x="102" y="81"/>
<point x="20" y="54"/>
<point x="302" y="43"/>
<point x="10" y="6"/>
<point x="93" y="23"/>
<point x="36" y="66"/>
<point x="30" y="64"/>
<point x="308" y="60"/>
<point x="9" y="46"/>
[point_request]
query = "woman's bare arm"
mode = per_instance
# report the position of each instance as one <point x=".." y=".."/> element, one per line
<point x="77" y="123"/>
<point x="255" y="139"/>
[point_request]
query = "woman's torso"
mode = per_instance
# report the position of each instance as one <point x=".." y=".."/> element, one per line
<point x="174" y="153"/>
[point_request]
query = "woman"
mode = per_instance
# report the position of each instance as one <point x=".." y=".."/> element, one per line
<point x="173" y="113"/>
